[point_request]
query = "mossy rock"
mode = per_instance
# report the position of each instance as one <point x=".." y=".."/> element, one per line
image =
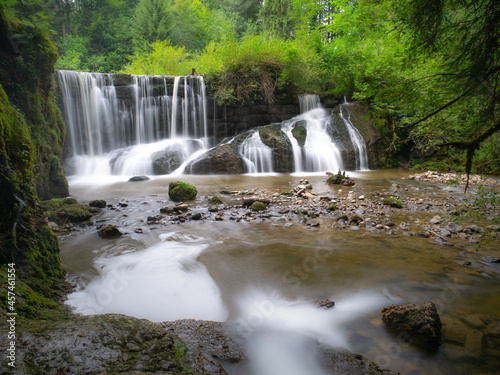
<point x="288" y="193"/>
<point x="109" y="231"/>
<point x="196" y="216"/>
<point x="356" y="219"/>
<point x="393" y="202"/>
<point x="215" y="200"/>
<point x="180" y="191"/>
<point x="332" y="207"/>
<point x="258" y="206"/>
<point x="335" y="179"/>
<point x="98" y="203"/>
<point x="74" y="213"/>
<point x="300" y="134"/>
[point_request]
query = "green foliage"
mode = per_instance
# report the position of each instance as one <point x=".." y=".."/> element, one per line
<point x="163" y="59"/>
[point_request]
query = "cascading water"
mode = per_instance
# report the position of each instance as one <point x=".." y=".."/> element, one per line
<point x="357" y="140"/>
<point x="319" y="153"/>
<point x="258" y="157"/>
<point x="121" y="129"/>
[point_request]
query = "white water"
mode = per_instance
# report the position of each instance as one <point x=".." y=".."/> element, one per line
<point x="258" y="157"/>
<point x="319" y="153"/>
<point x="110" y="135"/>
<point x="162" y="282"/>
<point x="356" y="138"/>
<point x="117" y="130"/>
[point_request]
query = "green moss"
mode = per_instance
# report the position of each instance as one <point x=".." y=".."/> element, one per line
<point x="300" y="133"/>
<point x="215" y="200"/>
<point x="181" y="191"/>
<point x="332" y="207"/>
<point x="287" y="193"/>
<point x="62" y="210"/>
<point x="393" y="202"/>
<point x="109" y="231"/>
<point x="258" y="206"/>
<point x="335" y="179"/>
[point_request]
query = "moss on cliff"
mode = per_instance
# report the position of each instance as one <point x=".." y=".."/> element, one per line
<point x="27" y="59"/>
<point x="31" y="135"/>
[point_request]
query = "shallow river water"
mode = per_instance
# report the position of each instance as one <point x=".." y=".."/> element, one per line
<point x="264" y="276"/>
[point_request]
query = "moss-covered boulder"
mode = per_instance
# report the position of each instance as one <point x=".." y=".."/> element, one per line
<point x="300" y="133"/>
<point x="258" y="206"/>
<point x="215" y="200"/>
<point x="393" y="202"/>
<point x="109" y="231"/>
<point x="97" y="203"/>
<point x="66" y="210"/>
<point x="180" y="191"/>
<point x="335" y="179"/>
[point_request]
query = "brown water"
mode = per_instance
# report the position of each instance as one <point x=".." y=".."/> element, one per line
<point x="266" y="274"/>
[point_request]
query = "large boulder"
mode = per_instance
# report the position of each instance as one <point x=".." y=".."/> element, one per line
<point x="169" y="159"/>
<point x="222" y="159"/>
<point x="278" y="142"/>
<point x="180" y="191"/>
<point x="418" y="325"/>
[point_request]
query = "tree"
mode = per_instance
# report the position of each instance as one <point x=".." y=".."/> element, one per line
<point x="151" y="22"/>
<point x="467" y="36"/>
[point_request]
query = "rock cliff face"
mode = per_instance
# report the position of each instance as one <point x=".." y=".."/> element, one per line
<point x="31" y="135"/>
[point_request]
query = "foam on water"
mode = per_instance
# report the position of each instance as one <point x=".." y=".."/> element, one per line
<point x="162" y="282"/>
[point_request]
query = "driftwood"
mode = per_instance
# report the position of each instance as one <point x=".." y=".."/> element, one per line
<point x="247" y="202"/>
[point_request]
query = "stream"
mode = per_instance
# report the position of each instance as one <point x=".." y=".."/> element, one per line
<point x="264" y="276"/>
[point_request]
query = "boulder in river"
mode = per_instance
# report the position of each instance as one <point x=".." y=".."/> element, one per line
<point x="138" y="178"/>
<point x="109" y="231"/>
<point x="418" y="325"/>
<point x="180" y="191"/>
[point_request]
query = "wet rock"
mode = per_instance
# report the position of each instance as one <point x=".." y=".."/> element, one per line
<point x="436" y="220"/>
<point x="196" y="216"/>
<point x="95" y="345"/>
<point x="258" y="206"/>
<point x="181" y="191"/>
<point x="347" y="181"/>
<point x="222" y="159"/>
<point x="418" y="325"/>
<point x="325" y="303"/>
<point x="473" y="229"/>
<point x="335" y="179"/>
<point x="393" y="202"/>
<point x="109" y="231"/>
<point x="99" y="203"/>
<point x="215" y="200"/>
<point x="139" y="178"/>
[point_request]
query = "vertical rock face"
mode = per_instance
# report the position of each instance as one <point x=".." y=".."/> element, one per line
<point x="31" y="134"/>
<point x="418" y="325"/>
<point x="27" y="76"/>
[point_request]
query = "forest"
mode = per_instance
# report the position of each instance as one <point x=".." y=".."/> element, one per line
<point x="429" y="70"/>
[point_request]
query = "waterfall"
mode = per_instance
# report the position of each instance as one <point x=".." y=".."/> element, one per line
<point x="258" y="157"/>
<point x="357" y="140"/>
<point x="121" y="128"/>
<point x="319" y="152"/>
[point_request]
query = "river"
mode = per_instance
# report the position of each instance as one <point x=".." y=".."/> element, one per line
<point x="263" y="276"/>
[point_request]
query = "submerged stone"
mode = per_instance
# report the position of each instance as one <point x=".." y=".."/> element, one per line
<point x="139" y="178"/>
<point x="109" y="231"/>
<point x="418" y="325"/>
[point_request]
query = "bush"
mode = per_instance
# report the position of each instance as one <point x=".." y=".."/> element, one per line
<point x="181" y="191"/>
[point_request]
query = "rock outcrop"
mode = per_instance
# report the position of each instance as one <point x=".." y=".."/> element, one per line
<point x="418" y="325"/>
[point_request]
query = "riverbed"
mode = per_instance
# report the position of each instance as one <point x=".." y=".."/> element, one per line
<point x="263" y="274"/>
